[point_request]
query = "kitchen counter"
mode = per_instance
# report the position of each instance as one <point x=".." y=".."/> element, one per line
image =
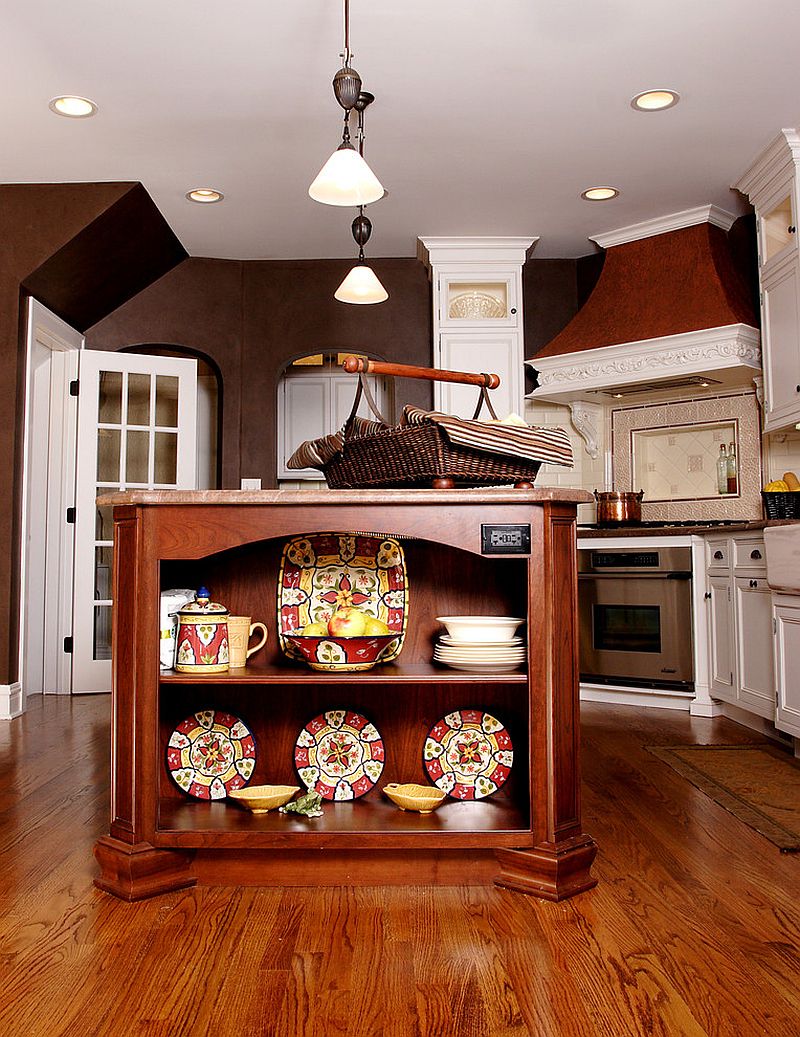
<point x="587" y="532"/>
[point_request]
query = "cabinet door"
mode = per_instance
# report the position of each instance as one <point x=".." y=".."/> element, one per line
<point x="781" y="342"/>
<point x="720" y="627"/>
<point x="754" y="666"/>
<point x="786" y="612"/>
<point x="304" y="413"/>
<point x="777" y="224"/>
<point x="497" y="352"/>
<point x="471" y="301"/>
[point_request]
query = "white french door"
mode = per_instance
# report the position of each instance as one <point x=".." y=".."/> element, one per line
<point x="137" y="420"/>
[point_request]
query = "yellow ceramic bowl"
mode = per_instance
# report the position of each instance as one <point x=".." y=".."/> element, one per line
<point x="262" y="798"/>
<point x="423" y="798"/>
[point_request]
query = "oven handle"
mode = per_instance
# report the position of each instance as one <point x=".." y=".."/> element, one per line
<point x="681" y="575"/>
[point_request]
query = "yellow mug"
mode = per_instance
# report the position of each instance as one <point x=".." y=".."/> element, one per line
<point x="240" y="630"/>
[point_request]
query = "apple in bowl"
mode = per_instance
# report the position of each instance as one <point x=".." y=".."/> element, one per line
<point x="351" y="640"/>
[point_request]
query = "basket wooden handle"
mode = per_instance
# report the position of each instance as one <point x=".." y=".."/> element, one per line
<point x="357" y="364"/>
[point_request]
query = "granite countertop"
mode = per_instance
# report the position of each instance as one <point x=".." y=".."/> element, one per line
<point x="755" y="525"/>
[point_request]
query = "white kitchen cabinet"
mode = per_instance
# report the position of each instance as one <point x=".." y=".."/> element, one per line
<point x="477" y="317"/>
<point x="740" y="624"/>
<point x="786" y="616"/>
<point x="772" y="185"/>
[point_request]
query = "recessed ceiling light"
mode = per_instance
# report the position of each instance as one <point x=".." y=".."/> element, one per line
<point x="73" y="107"/>
<point x="655" y="100"/>
<point x="204" y="195"/>
<point x="599" y="194"/>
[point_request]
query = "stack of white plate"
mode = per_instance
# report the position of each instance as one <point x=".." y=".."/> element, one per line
<point x="480" y="644"/>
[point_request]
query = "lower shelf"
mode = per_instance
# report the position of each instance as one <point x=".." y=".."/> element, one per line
<point x="357" y="824"/>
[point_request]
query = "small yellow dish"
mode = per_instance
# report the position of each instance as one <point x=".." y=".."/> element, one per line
<point x="422" y="798"/>
<point x="260" y="799"/>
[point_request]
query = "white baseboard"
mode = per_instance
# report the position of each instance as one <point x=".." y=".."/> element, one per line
<point x="12" y="701"/>
<point x="650" y="698"/>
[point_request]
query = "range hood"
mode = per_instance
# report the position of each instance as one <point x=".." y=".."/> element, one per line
<point x="670" y="311"/>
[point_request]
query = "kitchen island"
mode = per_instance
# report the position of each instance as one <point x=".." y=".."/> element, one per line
<point x="467" y="553"/>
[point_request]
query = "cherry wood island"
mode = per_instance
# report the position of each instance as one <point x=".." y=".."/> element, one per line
<point x="527" y="836"/>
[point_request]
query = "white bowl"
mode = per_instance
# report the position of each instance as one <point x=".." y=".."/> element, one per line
<point x="480" y="628"/>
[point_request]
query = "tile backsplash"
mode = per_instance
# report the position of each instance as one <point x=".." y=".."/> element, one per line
<point x="681" y="442"/>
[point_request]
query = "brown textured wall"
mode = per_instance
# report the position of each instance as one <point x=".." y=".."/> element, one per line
<point x="684" y="280"/>
<point x="36" y="222"/>
<point x="253" y="317"/>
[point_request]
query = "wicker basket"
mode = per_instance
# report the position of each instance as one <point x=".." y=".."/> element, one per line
<point x="418" y="456"/>
<point x="784" y="505"/>
<point x="414" y="456"/>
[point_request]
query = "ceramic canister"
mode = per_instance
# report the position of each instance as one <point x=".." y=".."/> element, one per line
<point x="202" y="636"/>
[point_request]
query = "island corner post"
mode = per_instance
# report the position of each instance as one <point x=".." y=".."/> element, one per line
<point x="530" y="840"/>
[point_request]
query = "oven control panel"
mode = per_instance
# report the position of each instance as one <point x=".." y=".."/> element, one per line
<point x="625" y="560"/>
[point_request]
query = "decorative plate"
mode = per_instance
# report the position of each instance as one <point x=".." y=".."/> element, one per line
<point x="339" y="754"/>
<point x="468" y="754"/>
<point x="323" y="572"/>
<point x="210" y="754"/>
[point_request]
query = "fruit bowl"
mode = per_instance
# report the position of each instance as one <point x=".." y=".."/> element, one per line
<point x="422" y="798"/>
<point x="339" y="654"/>
<point x="260" y="799"/>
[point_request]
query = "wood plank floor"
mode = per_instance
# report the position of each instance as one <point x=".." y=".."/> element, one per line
<point x="694" y="927"/>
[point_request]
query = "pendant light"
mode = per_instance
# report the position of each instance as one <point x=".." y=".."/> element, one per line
<point x="346" y="179"/>
<point x="361" y="286"/>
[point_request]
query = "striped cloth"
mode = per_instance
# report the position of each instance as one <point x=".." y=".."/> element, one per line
<point x="548" y="445"/>
<point x="536" y="443"/>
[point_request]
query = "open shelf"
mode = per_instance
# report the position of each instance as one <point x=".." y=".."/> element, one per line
<point x="413" y="672"/>
<point x="371" y="821"/>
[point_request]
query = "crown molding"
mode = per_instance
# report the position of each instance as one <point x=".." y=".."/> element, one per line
<point x="572" y="375"/>
<point x="434" y="251"/>
<point x="663" y="224"/>
<point x="762" y="177"/>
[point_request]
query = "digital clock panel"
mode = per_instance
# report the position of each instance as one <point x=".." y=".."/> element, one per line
<point x="505" y="538"/>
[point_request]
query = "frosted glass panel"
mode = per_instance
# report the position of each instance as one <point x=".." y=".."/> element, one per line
<point x="136" y="462"/>
<point x="166" y="460"/>
<point x="477" y="300"/>
<point x="109" y="403"/>
<point x="102" y="632"/>
<point x="166" y="401"/>
<point x="108" y="440"/>
<point x="138" y="399"/>
<point x="679" y="463"/>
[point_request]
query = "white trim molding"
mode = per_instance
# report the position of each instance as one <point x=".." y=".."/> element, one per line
<point x="767" y="172"/>
<point x="587" y="419"/>
<point x="474" y="251"/>
<point x="663" y="224"/>
<point x="571" y="375"/>
<point x="12" y="701"/>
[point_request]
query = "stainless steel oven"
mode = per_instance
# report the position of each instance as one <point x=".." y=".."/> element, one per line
<point x="635" y="613"/>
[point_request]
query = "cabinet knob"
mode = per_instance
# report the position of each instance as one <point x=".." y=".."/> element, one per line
<point x="513" y="309"/>
<point x="754" y="583"/>
<point x="755" y="554"/>
<point x="718" y="555"/>
<point x="791" y="229"/>
<point x="707" y="595"/>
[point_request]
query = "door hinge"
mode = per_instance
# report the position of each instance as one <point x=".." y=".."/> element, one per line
<point x="68" y="645"/>
<point x="71" y="516"/>
<point x="74" y="387"/>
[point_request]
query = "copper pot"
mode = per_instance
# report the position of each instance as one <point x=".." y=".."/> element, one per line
<point x="618" y="508"/>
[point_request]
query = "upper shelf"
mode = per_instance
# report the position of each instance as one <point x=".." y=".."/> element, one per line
<point x="393" y="673"/>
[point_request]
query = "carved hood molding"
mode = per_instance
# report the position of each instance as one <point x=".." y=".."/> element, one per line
<point x="669" y="309"/>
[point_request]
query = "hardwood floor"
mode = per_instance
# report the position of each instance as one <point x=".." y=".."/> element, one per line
<point x="693" y="928"/>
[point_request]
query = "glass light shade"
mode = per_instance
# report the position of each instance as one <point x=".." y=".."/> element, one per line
<point x="346" y="179"/>
<point x="361" y="286"/>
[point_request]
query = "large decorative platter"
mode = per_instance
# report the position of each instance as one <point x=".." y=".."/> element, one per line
<point x="210" y="754"/>
<point x="468" y="754"/>
<point x="323" y="572"/>
<point x="339" y="754"/>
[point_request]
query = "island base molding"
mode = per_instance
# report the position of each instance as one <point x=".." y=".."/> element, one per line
<point x="548" y="872"/>
<point x="137" y="871"/>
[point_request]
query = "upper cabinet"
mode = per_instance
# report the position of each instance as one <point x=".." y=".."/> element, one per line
<point x="477" y="317"/>
<point x="773" y="186"/>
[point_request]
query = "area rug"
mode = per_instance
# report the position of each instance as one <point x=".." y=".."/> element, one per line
<point x="759" y="784"/>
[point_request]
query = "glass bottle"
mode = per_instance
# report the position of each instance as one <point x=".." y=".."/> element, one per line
<point x="732" y="470"/>
<point x="722" y="470"/>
